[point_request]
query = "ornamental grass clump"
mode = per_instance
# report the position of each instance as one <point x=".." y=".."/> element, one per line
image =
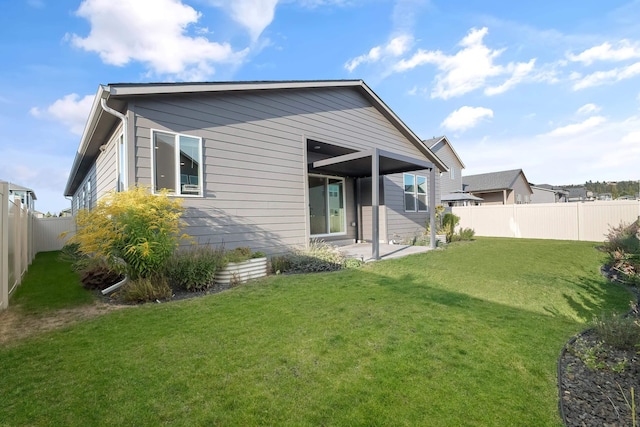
<point x="193" y="269"/>
<point x="319" y="256"/>
<point x="134" y="231"/>
<point x="619" y="331"/>
<point x="623" y="248"/>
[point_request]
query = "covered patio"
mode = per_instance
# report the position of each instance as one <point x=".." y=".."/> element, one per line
<point x="363" y="251"/>
<point x="375" y="163"/>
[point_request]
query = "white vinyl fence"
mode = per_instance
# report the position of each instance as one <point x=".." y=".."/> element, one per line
<point x="588" y="221"/>
<point x="22" y="235"/>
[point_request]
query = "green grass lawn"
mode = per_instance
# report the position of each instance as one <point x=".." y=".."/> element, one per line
<point x="466" y="336"/>
<point x="49" y="284"/>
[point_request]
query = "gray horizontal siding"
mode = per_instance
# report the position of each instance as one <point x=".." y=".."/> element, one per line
<point x="107" y="165"/>
<point x="400" y="224"/>
<point x="254" y="146"/>
<point x="448" y="185"/>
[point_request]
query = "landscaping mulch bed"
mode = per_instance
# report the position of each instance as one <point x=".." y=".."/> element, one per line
<point x="596" y="397"/>
<point x="602" y="396"/>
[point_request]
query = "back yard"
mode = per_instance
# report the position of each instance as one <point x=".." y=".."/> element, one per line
<point x="465" y="336"/>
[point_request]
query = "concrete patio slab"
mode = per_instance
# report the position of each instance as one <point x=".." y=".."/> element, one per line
<point x="363" y="251"/>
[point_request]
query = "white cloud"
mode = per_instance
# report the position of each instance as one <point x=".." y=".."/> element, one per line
<point x="600" y="78"/>
<point x="394" y="48"/>
<point x="632" y="139"/>
<point x="468" y="69"/>
<point x="588" y="109"/>
<point x="576" y="128"/>
<point x="465" y="118"/>
<point x="623" y="50"/>
<point x="518" y="72"/>
<point x="155" y="35"/>
<point x="254" y="15"/>
<point x="564" y="159"/>
<point x="71" y="110"/>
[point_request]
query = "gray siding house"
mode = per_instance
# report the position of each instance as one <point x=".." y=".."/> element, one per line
<point x="451" y="193"/>
<point x="499" y="188"/>
<point x="451" y="181"/>
<point x="268" y="165"/>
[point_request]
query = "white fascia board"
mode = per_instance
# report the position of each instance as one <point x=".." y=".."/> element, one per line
<point x="87" y="134"/>
<point x="160" y="88"/>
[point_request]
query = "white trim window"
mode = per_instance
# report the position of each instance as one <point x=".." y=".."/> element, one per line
<point x="452" y="173"/>
<point x="176" y="163"/>
<point x="415" y="193"/>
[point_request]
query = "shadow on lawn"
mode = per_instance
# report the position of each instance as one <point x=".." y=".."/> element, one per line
<point x="593" y="296"/>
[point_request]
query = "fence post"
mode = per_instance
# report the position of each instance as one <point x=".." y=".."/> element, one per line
<point x="4" y="245"/>
<point x="580" y="218"/>
<point x="17" y="240"/>
<point x="24" y="215"/>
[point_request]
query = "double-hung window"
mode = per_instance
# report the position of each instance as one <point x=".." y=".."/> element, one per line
<point x="415" y="193"/>
<point x="177" y="163"/>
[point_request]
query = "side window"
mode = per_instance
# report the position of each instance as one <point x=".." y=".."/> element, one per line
<point x="415" y="193"/>
<point x="177" y="163"/>
<point x="409" y="192"/>
<point x="421" y="195"/>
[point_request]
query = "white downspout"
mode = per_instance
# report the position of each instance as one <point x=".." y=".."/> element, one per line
<point x="125" y="169"/>
<point x="125" y="131"/>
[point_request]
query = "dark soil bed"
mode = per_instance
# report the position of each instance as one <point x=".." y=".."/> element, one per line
<point x="596" y="397"/>
<point x="177" y="295"/>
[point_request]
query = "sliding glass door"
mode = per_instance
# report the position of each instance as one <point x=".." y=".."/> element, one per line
<point x="326" y="205"/>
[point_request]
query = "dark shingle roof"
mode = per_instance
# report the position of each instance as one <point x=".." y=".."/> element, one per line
<point x="491" y="181"/>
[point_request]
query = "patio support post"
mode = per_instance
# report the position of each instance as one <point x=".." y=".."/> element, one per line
<point x="375" y="196"/>
<point x="432" y="206"/>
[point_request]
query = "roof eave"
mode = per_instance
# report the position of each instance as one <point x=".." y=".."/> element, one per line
<point x="455" y="153"/>
<point x="404" y="129"/>
<point x="87" y="133"/>
<point x="172" y="88"/>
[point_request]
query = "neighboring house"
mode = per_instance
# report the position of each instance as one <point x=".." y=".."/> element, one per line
<point x="579" y="194"/>
<point x="546" y="193"/>
<point x="27" y="195"/>
<point x="451" y="181"/>
<point x="268" y="165"/>
<point x="499" y="188"/>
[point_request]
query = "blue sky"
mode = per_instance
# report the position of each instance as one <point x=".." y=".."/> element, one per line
<point x="552" y="87"/>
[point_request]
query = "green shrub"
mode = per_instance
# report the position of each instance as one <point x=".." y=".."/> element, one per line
<point x="623" y="238"/>
<point x="352" y="263"/>
<point x="72" y="254"/>
<point x="134" y="226"/>
<point x="618" y="331"/>
<point x="466" y="234"/>
<point x="623" y="248"/>
<point x="145" y="289"/>
<point x="280" y="264"/>
<point x="449" y="223"/>
<point x="319" y="256"/>
<point x="193" y="269"/>
<point x="240" y="254"/>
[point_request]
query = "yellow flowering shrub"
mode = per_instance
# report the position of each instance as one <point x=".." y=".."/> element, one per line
<point x="135" y="227"/>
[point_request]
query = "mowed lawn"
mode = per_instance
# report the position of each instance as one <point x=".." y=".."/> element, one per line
<point x="466" y="336"/>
